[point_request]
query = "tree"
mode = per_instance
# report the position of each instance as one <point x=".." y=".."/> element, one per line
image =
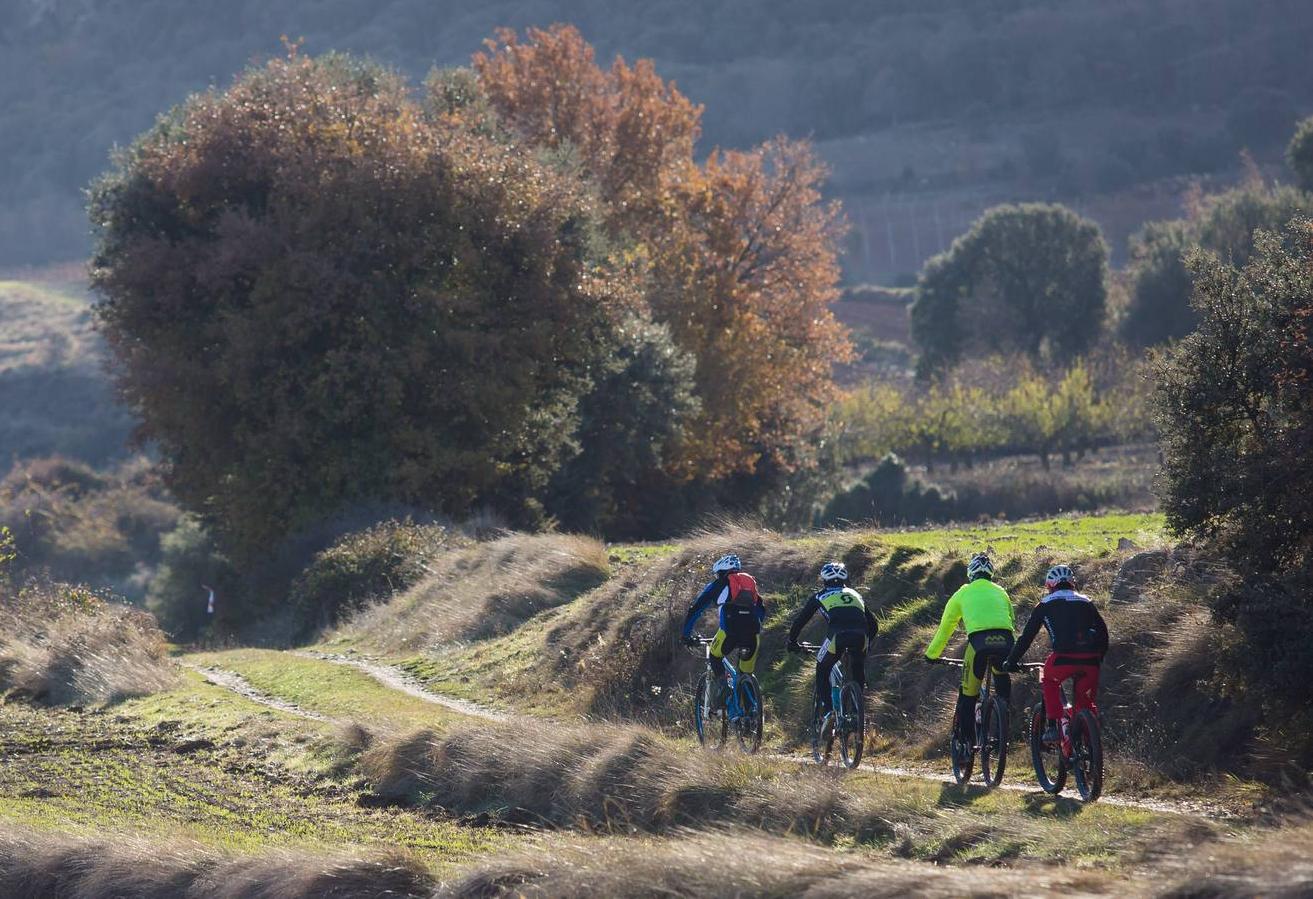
<point x="320" y="296"/>
<point x="1299" y="155"/>
<point x="1224" y="224"/>
<point x="740" y="252"/>
<point x="1233" y="406"/>
<point x="1029" y="278"/>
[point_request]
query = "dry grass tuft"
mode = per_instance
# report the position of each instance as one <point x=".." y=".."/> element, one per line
<point x="743" y="863"/>
<point x="66" y="646"/>
<point x="485" y="590"/>
<point x="34" y="866"/>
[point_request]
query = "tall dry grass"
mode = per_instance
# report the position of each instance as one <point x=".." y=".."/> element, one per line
<point x="63" y="646"/>
<point x="484" y="590"/>
<point x="42" y="865"/>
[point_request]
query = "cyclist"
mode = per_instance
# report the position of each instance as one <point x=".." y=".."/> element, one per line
<point x="851" y="628"/>
<point x="741" y="612"/>
<point x="1079" y="641"/>
<point x="985" y="611"/>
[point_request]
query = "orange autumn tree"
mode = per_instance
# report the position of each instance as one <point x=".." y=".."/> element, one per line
<point x="739" y="251"/>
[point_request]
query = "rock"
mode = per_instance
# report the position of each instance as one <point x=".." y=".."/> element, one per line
<point x="186" y="747"/>
<point x="1137" y="572"/>
<point x="1125" y="543"/>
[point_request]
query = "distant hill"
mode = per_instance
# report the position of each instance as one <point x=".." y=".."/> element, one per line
<point x="929" y="110"/>
<point x="55" y="397"/>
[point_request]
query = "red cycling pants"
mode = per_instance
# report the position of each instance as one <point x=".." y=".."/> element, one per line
<point x="1084" y="680"/>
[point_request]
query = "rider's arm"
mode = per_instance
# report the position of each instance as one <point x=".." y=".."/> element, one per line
<point x="804" y="615"/>
<point x="947" y="624"/>
<point x="1028" y="635"/>
<point x="872" y="626"/>
<point x="700" y="605"/>
<point x="1100" y="633"/>
<point x="760" y="610"/>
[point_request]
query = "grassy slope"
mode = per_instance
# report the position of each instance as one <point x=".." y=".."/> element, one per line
<point x="56" y="396"/>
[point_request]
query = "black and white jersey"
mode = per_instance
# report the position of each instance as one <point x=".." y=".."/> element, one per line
<point x="1074" y="625"/>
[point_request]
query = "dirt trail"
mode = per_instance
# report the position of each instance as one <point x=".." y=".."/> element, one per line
<point x="393" y="677"/>
<point x="230" y="680"/>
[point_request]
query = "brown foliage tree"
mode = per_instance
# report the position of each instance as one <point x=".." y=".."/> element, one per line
<point x="740" y="251"/>
<point x="319" y="296"/>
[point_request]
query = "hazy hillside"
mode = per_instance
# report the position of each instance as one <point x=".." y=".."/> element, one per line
<point x="53" y="388"/>
<point x="928" y="110"/>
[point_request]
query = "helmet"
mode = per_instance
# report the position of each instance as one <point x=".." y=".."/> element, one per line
<point x="834" y="571"/>
<point x="980" y="566"/>
<point x="727" y="562"/>
<point x="1059" y="574"/>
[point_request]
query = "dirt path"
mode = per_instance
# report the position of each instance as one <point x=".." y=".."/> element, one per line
<point x="396" y="679"/>
<point x="231" y="680"/>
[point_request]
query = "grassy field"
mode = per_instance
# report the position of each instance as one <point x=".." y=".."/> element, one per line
<point x="592" y="760"/>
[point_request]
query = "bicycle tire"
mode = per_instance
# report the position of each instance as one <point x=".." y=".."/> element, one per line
<point x="962" y="754"/>
<point x="1087" y="755"/>
<point x="706" y="735"/>
<point x="750" y="725"/>
<point x="1046" y="758"/>
<point x="852" y="727"/>
<point x="994" y="741"/>
<point x="822" y="735"/>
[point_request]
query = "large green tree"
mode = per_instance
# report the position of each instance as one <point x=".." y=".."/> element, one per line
<point x="1028" y="278"/>
<point x="319" y="295"/>
<point x="1233" y="406"/>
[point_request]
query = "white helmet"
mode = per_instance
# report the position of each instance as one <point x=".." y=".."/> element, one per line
<point x="1059" y="574"/>
<point x="727" y="562"/>
<point x="834" y="571"/>
<point x="980" y="566"/>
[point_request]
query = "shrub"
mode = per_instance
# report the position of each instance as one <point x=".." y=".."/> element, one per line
<point x="1299" y="155"/>
<point x="178" y="595"/>
<point x="365" y="566"/>
<point x="889" y="496"/>
<point x="65" y="645"/>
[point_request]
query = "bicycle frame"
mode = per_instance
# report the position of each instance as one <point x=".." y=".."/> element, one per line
<point x="732" y="696"/>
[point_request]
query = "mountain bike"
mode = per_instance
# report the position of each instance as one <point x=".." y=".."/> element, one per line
<point x="848" y="725"/>
<point x="739" y="707"/>
<point x="1080" y="749"/>
<point x="991" y="734"/>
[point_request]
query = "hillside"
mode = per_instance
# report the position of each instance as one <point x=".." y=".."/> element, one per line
<point x="53" y="387"/>
<point x="928" y="112"/>
<point x="466" y="739"/>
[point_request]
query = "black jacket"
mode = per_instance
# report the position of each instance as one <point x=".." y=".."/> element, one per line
<point x="843" y="608"/>
<point x="1074" y="625"/>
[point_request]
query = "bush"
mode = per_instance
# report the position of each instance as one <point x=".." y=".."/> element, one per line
<point x="78" y="524"/>
<point x="1299" y="155"/>
<point x="1233" y="407"/>
<point x="65" y="645"/>
<point x="178" y="594"/>
<point x="363" y="567"/>
<point x="889" y="497"/>
<point x="1223" y="224"/>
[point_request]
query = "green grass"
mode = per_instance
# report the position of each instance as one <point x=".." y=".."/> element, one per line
<point x="86" y="773"/>
<point x="1084" y="535"/>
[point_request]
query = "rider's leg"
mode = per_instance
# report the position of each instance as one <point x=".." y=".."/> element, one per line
<point x="855" y="642"/>
<point x="1085" y="684"/>
<point x="993" y="647"/>
<point x="748" y="658"/>
<point x="825" y="661"/>
<point x="1051" y="685"/>
<point x="968" y="695"/>
<point x="716" y="667"/>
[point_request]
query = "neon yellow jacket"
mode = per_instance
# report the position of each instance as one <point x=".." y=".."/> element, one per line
<point x="981" y="605"/>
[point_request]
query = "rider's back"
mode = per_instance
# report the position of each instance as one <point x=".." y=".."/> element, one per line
<point x="980" y="605"/>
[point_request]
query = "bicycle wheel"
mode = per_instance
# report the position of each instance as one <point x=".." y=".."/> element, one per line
<point x="1087" y="755"/>
<point x="994" y="741"/>
<point x="852" y="724"/>
<point x="1050" y="766"/>
<point x="963" y="755"/>
<point x="712" y="730"/>
<point x="822" y="735"/>
<point x="750" y="724"/>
